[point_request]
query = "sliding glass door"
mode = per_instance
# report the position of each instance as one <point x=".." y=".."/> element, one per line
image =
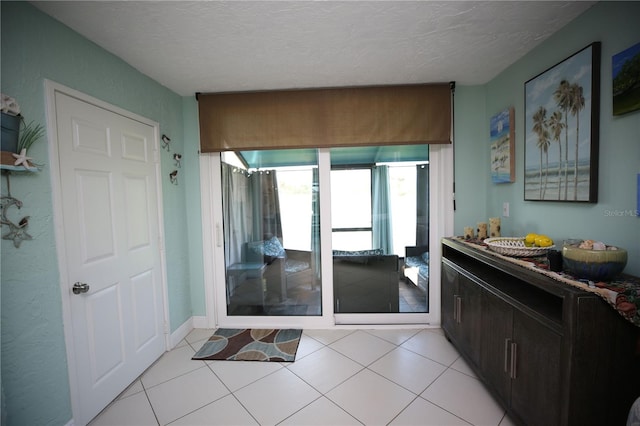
<point x="323" y="236"/>
<point x="375" y="211"/>
<point x="271" y="233"/>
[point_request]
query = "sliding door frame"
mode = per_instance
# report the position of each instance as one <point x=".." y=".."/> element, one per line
<point x="440" y="225"/>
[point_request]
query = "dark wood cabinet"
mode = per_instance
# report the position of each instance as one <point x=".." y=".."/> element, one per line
<point x="497" y="345"/>
<point x="462" y="299"/>
<point x="521" y="358"/>
<point x="535" y="371"/>
<point x="449" y="287"/>
<point x="550" y="352"/>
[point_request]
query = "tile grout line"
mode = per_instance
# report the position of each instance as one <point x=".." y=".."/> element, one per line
<point x="320" y="346"/>
<point x="146" y="394"/>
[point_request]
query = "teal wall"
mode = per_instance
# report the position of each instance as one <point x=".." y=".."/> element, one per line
<point x="194" y="217"/>
<point x="615" y="25"/>
<point x="36" y="47"/>
<point x="470" y="150"/>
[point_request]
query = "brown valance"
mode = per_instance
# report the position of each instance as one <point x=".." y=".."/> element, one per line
<point x="377" y="115"/>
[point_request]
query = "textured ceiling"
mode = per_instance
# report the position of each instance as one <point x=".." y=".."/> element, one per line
<point x="217" y="46"/>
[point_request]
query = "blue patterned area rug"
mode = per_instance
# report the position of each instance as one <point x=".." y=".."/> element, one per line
<point x="248" y="344"/>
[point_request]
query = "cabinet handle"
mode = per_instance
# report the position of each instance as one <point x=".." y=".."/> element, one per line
<point x="514" y="359"/>
<point x="507" y="345"/>
<point x="459" y="302"/>
<point x="455" y="308"/>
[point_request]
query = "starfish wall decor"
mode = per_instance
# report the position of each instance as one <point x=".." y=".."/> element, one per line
<point x="17" y="231"/>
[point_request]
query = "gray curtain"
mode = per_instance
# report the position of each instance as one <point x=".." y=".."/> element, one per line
<point x="237" y="212"/>
<point x="266" y="205"/>
<point x="315" y="224"/>
<point x="382" y="230"/>
<point x="422" y="205"/>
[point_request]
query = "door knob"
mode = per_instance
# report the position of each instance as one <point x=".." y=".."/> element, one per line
<point x="79" y="288"/>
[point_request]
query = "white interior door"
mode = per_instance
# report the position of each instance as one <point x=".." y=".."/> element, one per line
<point x="109" y="201"/>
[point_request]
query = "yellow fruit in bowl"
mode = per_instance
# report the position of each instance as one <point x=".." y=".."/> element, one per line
<point x="543" y="241"/>
<point x="530" y="240"/>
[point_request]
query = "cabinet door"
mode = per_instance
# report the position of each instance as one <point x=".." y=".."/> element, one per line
<point x="497" y="339"/>
<point x="521" y="361"/>
<point x="535" y="390"/>
<point x="469" y="315"/>
<point x="449" y="290"/>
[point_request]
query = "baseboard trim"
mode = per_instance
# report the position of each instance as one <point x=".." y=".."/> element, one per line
<point x="186" y="327"/>
<point x="200" y="322"/>
<point x="180" y="333"/>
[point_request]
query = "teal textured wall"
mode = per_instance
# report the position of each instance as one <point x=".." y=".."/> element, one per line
<point x="36" y="47"/>
<point x="615" y="25"/>
<point x="194" y="216"/>
<point x="471" y="170"/>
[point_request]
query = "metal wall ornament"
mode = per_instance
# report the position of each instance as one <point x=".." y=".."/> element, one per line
<point x="177" y="159"/>
<point x="165" y="142"/>
<point x="17" y="231"/>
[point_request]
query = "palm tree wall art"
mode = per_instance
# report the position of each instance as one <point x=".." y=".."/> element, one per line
<point x="562" y="128"/>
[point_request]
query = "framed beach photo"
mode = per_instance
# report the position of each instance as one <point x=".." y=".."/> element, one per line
<point x="502" y="134"/>
<point x="562" y="112"/>
<point x="625" y="71"/>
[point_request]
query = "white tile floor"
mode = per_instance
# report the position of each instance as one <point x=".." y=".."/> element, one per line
<point x="340" y="377"/>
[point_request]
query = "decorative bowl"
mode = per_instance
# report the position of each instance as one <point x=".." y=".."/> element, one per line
<point x="593" y="265"/>
<point x="514" y="246"/>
